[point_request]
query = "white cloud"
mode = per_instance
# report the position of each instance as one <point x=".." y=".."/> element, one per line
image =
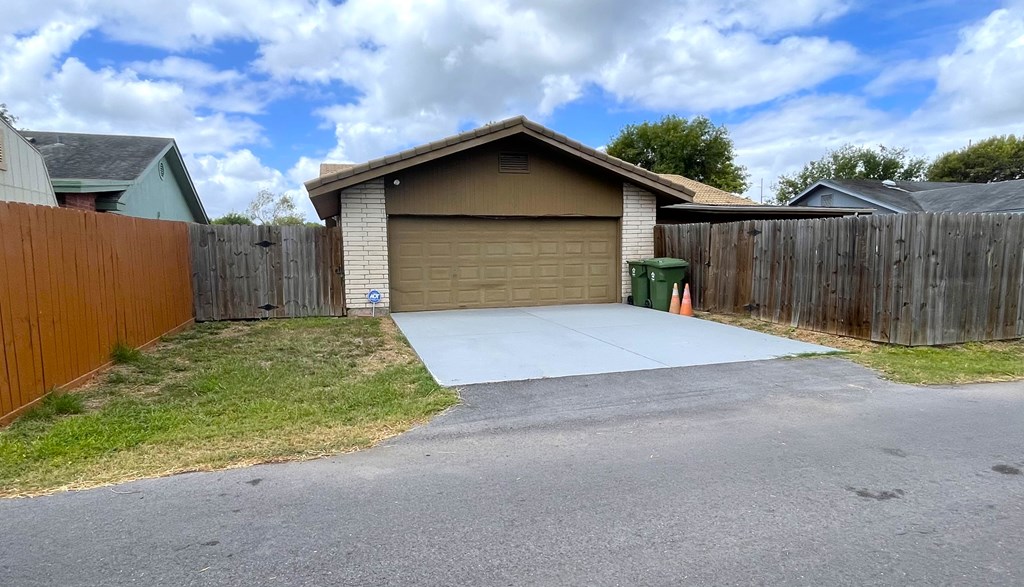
<point x="412" y="71"/>
<point x="420" y="70"/>
<point x="982" y="80"/>
<point x="702" y="69"/>
<point x="228" y="182"/>
<point x="901" y="76"/>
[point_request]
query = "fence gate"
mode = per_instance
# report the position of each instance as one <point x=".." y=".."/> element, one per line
<point x="246" y="272"/>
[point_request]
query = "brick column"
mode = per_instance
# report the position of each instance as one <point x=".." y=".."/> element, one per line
<point x="639" y="215"/>
<point x="364" y="233"/>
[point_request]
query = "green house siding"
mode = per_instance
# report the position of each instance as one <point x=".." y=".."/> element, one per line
<point x="156" y="197"/>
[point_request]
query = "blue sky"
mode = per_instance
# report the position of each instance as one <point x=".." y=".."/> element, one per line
<point x="259" y="92"/>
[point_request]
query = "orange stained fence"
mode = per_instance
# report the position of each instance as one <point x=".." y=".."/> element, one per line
<point x="73" y="285"/>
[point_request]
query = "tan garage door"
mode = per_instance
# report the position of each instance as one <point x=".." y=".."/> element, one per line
<point x="444" y="263"/>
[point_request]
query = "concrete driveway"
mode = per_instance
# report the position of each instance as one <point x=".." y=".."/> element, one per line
<point x="462" y="347"/>
<point x="795" y="472"/>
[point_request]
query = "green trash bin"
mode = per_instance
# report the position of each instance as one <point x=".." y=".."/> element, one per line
<point x="638" y="279"/>
<point x="661" y="274"/>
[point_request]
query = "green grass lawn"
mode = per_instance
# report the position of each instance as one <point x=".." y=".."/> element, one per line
<point x="223" y="395"/>
<point x="962" y="363"/>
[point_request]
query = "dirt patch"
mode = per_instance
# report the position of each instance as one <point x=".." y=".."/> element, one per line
<point x="393" y="350"/>
<point x="842" y="343"/>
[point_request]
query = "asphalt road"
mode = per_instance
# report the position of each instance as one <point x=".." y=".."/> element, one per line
<point x="789" y="472"/>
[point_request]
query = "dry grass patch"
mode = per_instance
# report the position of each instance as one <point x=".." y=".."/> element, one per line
<point x="974" y="362"/>
<point x="225" y="395"/>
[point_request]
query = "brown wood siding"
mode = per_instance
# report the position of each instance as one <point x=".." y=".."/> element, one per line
<point x="469" y="184"/>
<point x="446" y="263"/>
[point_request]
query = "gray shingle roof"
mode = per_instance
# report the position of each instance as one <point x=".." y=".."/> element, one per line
<point x="103" y="157"/>
<point x="934" y="196"/>
<point x="887" y="196"/>
<point x="1003" y="196"/>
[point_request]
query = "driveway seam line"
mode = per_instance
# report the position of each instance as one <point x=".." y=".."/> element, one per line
<point x="596" y="338"/>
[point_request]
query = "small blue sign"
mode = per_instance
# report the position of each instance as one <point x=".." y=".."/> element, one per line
<point x="373" y="296"/>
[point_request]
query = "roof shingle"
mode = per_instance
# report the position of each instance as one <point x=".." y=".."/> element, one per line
<point x="98" y="157"/>
<point x="705" y="194"/>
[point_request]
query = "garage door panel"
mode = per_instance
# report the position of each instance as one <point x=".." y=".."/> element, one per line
<point x="444" y="263"/>
<point x="547" y="248"/>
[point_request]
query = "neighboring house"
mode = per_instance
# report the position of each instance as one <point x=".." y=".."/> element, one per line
<point x="510" y="214"/>
<point x="708" y="195"/>
<point x="23" y="176"/>
<point x="133" y="176"/>
<point x="717" y="206"/>
<point x="895" y="197"/>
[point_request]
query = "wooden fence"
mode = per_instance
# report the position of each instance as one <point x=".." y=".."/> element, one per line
<point x="74" y="284"/>
<point x="910" y="279"/>
<point x="246" y="272"/>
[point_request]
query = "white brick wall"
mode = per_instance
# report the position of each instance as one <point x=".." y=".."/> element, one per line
<point x="639" y="215"/>
<point x="364" y="230"/>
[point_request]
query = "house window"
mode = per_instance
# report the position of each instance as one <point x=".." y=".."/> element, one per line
<point x="513" y="163"/>
<point x="826" y="200"/>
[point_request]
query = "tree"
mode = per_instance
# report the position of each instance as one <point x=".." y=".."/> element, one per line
<point x="852" y="162"/>
<point x="6" y="116"/>
<point x="275" y="209"/>
<point x="696" y="148"/>
<point x="233" y="218"/>
<point x="998" y="158"/>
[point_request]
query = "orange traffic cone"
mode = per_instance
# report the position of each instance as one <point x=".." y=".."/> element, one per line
<point x="686" y="308"/>
<point x="673" y="307"/>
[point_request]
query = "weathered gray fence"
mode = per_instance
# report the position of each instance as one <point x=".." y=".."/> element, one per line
<point x="911" y="279"/>
<point x="245" y="272"/>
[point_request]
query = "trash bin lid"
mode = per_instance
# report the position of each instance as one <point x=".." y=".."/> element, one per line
<point x="666" y="263"/>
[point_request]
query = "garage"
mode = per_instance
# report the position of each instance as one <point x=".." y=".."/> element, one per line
<point x="508" y="215"/>
<point x="447" y="263"/>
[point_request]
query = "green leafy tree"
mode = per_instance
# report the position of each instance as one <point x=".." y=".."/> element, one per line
<point x="694" y="148"/>
<point x="274" y="209"/>
<point x="852" y="162"/>
<point x="999" y="158"/>
<point x="233" y="218"/>
<point x="6" y="115"/>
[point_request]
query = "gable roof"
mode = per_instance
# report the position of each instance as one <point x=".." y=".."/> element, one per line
<point x="897" y="199"/>
<point x="705" y="194"/>
<point x="79" y="162"/>
<point x="98" y="157"/>
<point x="323" y="191"/>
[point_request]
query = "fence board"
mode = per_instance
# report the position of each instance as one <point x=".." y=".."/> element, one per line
<point x="911" y="279"/>
<point x="234" y="276"/>
<point x="73" y="284"/>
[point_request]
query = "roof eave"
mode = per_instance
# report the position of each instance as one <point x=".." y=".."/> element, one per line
<point x="85" y="186"/>
<point x="768" y="210"/>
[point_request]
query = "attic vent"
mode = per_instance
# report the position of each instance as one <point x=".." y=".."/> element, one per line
<point x="513" y="163"/>
<point x="3" y="153"/>
<point x="826" y="200"/>
<point x="161" y="170"/>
